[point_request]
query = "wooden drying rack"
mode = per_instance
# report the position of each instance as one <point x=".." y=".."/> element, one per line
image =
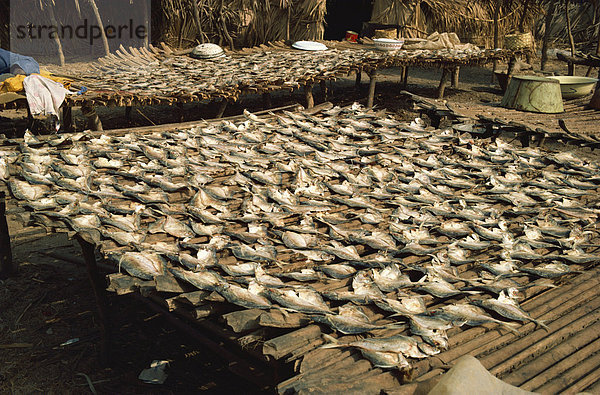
<point x="115" y="98"/>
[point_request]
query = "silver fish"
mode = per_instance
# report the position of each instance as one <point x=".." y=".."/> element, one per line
<point x="203" y="279"/>
<point x="507" y="307"/>
<point x="24" y="191"/>
<point x="302" y="300"/>
<point x="247" y="298"/>
<point x="142" y="265"/>
<point x="390" y="278"/>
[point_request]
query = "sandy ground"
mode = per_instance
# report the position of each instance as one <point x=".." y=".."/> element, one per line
<point x="49" y="302"/>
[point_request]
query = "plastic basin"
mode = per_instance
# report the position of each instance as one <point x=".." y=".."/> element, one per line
<point x="573" y="87"/>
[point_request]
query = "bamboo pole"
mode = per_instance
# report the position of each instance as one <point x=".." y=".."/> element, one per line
<point x="547" y="26"/>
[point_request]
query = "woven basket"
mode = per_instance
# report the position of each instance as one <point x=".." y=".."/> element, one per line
<point x="518" y="41"/>
<point x="385" y="33"/>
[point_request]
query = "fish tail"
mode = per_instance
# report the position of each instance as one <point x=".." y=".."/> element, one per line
<point x="510" y="326"/>
<point x="332" y="341"/>
<point x="542" y="324"/>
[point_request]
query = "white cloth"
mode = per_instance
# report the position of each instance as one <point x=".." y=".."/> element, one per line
<point x="44" y="96"/>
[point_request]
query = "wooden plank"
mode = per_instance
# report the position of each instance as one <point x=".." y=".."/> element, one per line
<point x="243" y="320"/>
<point x="567" y="356"/>
<point x="283" y="345"/>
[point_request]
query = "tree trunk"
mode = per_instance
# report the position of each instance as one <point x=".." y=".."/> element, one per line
<point x="523" y="16"/>
<point x="547" y="26"/>
<point x="59" y="48"/>
<point x="568" y="18"/>
<point x="101" y="26"/>
<point x="197" y="22"/>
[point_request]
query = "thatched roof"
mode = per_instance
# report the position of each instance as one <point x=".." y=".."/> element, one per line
<point x="472" y="20"/>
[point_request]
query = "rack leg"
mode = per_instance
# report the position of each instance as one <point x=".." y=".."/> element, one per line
<point x="372" y="83"/>
<point x="221" y="109"/>
<point x="443" y="81"/>
<point x="89" y="112"/>
<point x="358" y="79"/>
<point x="7" y="265"/>
<point x="67" y="118"/>
<point x="98" y="286"/>
<point x="324" y="90"/>
<point x="308" y="94"/>
<point x="455" y="76"/>
<point x="404" y="77"/>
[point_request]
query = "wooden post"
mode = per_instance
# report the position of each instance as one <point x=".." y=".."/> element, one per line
<point x="547" y="26"/>
<point x="443" y="81"/>
<point x="455" y="75"/>
<point x="324" y="90"/>
<point x="67" y="115"/>
<point x="221" y="108"/>
<point x="372" y="82"/>
<point x="496" y="33"/>
<point x="310" y="100"/>
<point x="358" y="79"/>
<point x="404" y="77"/>
<point x="98" y="286"/>
<point x="7" y="265"/>
<point x="93" y="121"/>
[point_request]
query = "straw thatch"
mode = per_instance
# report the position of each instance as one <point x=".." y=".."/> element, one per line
<point x="241" y="22"/>
<point x="472" y="20"/>
<point x="585" y="21"/>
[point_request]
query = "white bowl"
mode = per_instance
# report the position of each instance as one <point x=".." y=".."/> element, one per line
<point x="388" y="44"/>
<point x="573" y="87"/>
<point x="207" y="51"/>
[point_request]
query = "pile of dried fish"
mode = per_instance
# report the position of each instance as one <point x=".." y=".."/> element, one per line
<point x="146" y="74"/>
<point x="360" y="223"/>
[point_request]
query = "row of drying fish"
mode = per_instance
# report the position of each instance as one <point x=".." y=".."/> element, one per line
<point x="236" y="203"/>
<point x="171" y="76"/>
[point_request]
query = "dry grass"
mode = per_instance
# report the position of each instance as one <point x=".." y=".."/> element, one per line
<point x="472" y="20"/>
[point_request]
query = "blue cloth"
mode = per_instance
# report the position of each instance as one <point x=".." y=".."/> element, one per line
<point x="9" y="59"/>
